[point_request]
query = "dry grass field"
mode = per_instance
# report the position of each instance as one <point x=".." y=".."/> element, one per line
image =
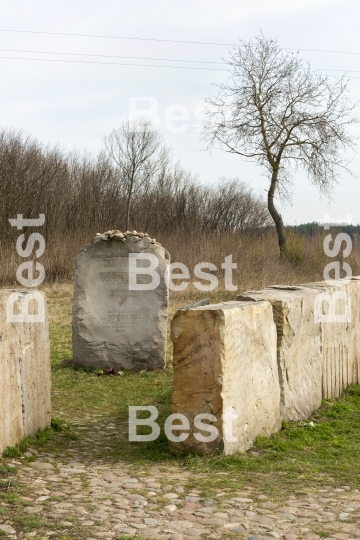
<point x="256" y="256"/>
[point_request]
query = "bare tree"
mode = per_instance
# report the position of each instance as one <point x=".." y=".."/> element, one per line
<point x="139" y="154"/>
<point x="278" y="112"/>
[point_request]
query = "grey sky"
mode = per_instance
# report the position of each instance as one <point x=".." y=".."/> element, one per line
<point x="75" y="104"/>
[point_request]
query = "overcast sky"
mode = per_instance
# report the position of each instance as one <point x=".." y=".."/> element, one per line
<point x="76" y="104"/>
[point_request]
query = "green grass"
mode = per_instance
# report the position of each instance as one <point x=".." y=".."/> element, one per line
<point x="6" y="470"/>
<point x="130" y="537"/>
<point x="323" y="534"/>
<point x="29" y="523"/>
<point x="40" y="439"/>
<point x="299" y="455"/>
<point x="10" y="498"/>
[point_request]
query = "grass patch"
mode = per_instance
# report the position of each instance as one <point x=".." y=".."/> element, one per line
<point x="5" y="470"/>
<point x="29" y="523"/>
<point x="130" y="537"/>
<point x="40" y="439"/>
<point x="10" y="498"/>
<point x="324" y="449"/>
<point x="323" y="534"/>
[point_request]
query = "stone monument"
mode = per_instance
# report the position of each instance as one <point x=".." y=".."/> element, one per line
<point x="121" y="302"/>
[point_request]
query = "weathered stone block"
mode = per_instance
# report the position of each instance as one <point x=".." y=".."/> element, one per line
<point x="114" y="326"/>
<point x="225" y="360"/>
<point x="339" y="327"/>
<point x="317" y="347"/>
<point x="298" y="348"/>
<point x="25" y="382"/>
<point x="353" y="341"/>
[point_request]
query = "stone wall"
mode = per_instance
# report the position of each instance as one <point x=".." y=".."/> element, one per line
<point x="272" y="355"/>
<point x="25" y="382"/>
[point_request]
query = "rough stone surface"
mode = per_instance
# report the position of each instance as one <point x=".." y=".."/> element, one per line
<point x="114" y="326"/>
<point x="353" y="288"/>
<point x="225" y="358"/>
<point x="7" y="529"/>
<point x="318" y="356"/>
<point x="339" y="339"/>
<point x="298" y="348"/>
<point x="25" y="382"/>
<point x="11" y="420"/>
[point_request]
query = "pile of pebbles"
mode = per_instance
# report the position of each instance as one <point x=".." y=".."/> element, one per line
<point x="118" y="235"/>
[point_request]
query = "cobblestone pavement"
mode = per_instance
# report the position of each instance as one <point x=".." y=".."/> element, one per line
<point x="84" y="496"/>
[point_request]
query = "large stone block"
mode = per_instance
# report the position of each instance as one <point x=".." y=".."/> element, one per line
<point x="25" y="382"/>
<point x="225" y="360"/>
<point x="353" y="341"/>
<point x="339" y="313"/>
<point x="317" y="347"/>
<point x="298" y="348"/>
<point x="114" y="326"/>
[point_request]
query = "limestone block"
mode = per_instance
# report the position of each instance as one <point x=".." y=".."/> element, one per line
<point x="11" y="418"/>
<point x="25" y="382"/>
<point x="299" y="353"/>
<point x="225" y="359"/>
<point x="36" y="376"/>
<point x="339" y="324"/>
<point x="114" y="326"/>
<point x="353" y="288"/>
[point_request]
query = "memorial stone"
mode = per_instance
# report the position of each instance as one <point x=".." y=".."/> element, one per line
<point x="115" y="326"/>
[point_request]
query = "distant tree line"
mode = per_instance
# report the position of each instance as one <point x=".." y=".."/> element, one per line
<point x="91" y="193"/>
<point x="314" y="229"/>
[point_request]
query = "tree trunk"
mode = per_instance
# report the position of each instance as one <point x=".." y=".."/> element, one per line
<point x="128" y="212"/>
<point x="275" y="214"/>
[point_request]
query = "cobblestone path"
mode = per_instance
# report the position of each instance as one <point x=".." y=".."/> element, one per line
<point x="82" y="495"/>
